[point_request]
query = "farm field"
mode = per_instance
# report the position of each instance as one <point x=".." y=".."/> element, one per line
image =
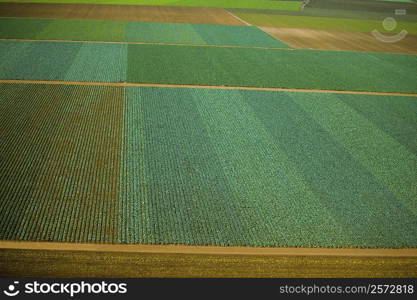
<point x="366" y="5"/>
<point x="302" y="38"/>
<point x="221" y="166"/>
<point x="331" y="13"/>
<point x="214" y="66"/>
<point x="324" y="23"/>
<point x="173" y="14"/>
<point x="194" y="138"/>
<point x="146" y="32"/>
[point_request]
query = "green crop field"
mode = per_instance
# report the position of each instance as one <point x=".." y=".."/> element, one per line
<point x="344" y="24"/>
<point x="304" y="69"/>
<point x="266" y="4"/>
<point x="119" y="31"/>
<point x="63" y="61"/>
<point x="207" y="167"/>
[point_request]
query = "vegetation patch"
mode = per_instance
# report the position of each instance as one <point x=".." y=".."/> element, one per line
<point x="304" y="69"/>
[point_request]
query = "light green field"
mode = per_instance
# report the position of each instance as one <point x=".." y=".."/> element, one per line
<point x="343" y="24"/>
<point x="265" y="4"/>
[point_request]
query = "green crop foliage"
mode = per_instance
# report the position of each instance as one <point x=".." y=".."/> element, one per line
<point x="221" y="167"/>
<point x="189" y="166"/>
<point x="304" y="69"/>
<point x="63" y="61"/>
<point x="59" y="151"/>
<point x="82" y="30"/>
<point x="15" y="28"/>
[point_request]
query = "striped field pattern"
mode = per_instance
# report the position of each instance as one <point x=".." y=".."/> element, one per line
<point x="123" y="31"/>
<point x="207" y="167"/>
<point x="60" y="156"/>
<point x="302" y="69"/>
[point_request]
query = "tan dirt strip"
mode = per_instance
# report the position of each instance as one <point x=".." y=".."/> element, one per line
<point x="171" y="14"/>
<point x="302" y="38"/>
<point x="211" y="250"/>
<point x="128" y="84"/>
<point x="147" y="43"/>
<point x="98" y="264"/>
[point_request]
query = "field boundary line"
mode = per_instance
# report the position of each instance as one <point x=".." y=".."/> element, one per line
<point x="207" y="250"/>
<point x="148" y="43"/>
<point x="277" y="39"/>
<point x="128" y="84"/>
<point x="239" y="19"/>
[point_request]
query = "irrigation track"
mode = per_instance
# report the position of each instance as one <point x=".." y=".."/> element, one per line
<point x="216" y="250"/>
<point x="128" y="84"/>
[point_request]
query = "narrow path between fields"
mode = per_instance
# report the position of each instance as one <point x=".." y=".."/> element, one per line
<point x="128" y="84"/>
<point x="217" y="250"/>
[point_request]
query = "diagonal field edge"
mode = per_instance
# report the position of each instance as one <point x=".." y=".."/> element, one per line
<point x="128" y="84"/>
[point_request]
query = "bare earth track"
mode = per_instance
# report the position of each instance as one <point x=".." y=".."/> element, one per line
<point x="100" y="260"/>
<point x="195" y="15"/>
<point x="301" y="38"/>
<point x="126" y="84"/>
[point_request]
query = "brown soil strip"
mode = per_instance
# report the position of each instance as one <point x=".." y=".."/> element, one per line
<point x="126" y="84"/>
<point x="147" y="43"/>
<point x="172" y="14"/>
<point x="212" y="250"/>
<point x="340" y="40"/>
<point x="96" y="264"/>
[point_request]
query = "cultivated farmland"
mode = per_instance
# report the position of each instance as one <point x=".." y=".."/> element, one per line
<point x="221" y="166"/>
<point x="173" y="14"/>
<point x="188" y="136"/>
